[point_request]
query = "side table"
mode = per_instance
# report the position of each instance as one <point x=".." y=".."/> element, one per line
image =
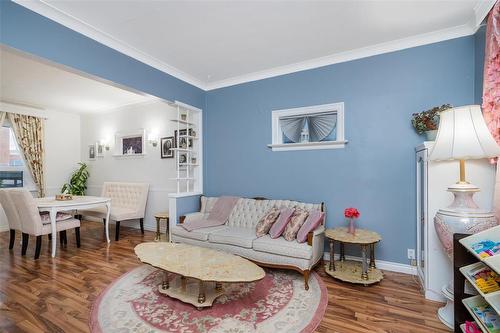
<point x="159" y="217"/>
<point x="350" y="270"/>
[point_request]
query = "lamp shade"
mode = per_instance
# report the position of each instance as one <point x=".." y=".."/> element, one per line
<point x="463" y="135"/>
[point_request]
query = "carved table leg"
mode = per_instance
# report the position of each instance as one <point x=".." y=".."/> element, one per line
<point x="165" y="284"/>
<point x="372" y="256"/>
<point x="364" y="274"/>
<point x="218" y="286"/>
<point x="201" y="295"/>
<point x="342" y="253"/>
<point x="332" y="258"/>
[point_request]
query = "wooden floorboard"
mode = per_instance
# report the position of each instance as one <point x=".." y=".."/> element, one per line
<point x="55" y="294"/>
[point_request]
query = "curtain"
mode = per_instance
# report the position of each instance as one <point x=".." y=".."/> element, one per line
<point x="491" y="87"/>
<point x="29" y="134"/>
<point x="319" y="126"/>
<point x="2" y="117"/>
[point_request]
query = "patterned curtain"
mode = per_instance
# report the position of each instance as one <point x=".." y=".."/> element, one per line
<point x="29" y="135"/>
<point x="491" y="87"/>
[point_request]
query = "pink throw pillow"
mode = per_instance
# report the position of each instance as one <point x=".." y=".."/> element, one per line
<point x="280" y="225"/>
<point x="313" y="221"/>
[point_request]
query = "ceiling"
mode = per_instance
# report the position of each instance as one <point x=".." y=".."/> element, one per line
<point x="213" y="44"/>
<point x="30" y="82"/>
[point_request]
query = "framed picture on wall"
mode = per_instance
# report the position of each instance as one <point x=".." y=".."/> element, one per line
<point x="130" y="143"/>
<point x="166" y="145"/>
<point x="100" y="149"/>
<point x="92" y="152"/>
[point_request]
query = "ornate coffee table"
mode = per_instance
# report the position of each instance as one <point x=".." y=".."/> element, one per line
<point x="349" y="270"/>
<point x="198" y="272"/>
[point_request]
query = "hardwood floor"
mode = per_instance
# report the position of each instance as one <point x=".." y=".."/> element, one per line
<point x="55" y="295"/>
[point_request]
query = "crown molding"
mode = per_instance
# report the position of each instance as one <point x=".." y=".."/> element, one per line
<point x="377" y="49"/>
<point x="481" y="9"/>
<point x="45" y="9"/>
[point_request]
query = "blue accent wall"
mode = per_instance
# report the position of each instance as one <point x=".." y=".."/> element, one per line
<point x="376" y="170"/>
<point x="29" y="32"/>
<point x="479" y="50"/>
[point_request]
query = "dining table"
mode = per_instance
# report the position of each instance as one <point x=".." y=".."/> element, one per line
<point x="53" y="206"/>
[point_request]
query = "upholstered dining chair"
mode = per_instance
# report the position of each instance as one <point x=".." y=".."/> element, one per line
<point x="128" y="202"/>
<point x="38" y="224"/>
<point x="12" y="216"/>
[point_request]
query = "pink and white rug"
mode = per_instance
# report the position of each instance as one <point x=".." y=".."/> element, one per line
<point x="277" y="303"/>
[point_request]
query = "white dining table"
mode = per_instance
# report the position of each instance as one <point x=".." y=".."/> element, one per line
<point x="51" y="205"/>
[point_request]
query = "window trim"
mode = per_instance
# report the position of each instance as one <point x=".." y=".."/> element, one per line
<point x="277" y="135"/>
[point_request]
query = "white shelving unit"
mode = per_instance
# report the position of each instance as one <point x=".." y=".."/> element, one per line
<point x="492" y="262"/>
<point x="189" y="173"/>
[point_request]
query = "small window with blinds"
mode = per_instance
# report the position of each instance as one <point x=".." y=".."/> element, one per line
<point x="312" y="127"/>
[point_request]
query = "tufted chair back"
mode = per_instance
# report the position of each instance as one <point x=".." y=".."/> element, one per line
<point x="28" y="212"/>
<point x="127" y="195"/>
<point x="10" y="209"/>
<point x="248" y="212"/>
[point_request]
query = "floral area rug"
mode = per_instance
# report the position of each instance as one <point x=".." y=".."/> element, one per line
<point x="277" y="303"/>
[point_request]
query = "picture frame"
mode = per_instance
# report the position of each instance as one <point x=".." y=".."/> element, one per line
<point x="183" y="158"/>
<point x="92" y="152"/>
<point x="130" y="143"/>
<point x="99" y="150"/>
<point x="166" y="147"/>
<point x="183" y="140"/>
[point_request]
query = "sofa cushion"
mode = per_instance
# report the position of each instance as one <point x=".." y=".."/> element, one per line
<point x="243" y="237"/>
<point x="296" y="221"/>
<point x="198" y="234"/>
<point x="117" y="213"/>
<point x="207" y="203"/>
<point x="283" y="247"/>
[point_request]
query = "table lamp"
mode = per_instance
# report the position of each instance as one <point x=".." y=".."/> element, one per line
<point x="462" y="135"/>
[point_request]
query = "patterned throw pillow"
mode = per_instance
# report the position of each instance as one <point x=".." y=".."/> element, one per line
<point x="266" y="222"/>
<point x="296" y="221"/>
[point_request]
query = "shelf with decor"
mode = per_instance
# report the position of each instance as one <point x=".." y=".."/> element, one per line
<point x="475" y="261"/>
<point x="188" y="149"/>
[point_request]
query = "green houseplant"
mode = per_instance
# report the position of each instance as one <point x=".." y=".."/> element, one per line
<point x="78" y="181"/>
<point x="428" y="121"/>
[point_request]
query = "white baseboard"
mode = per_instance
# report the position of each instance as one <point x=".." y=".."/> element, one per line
<point x="4" y="228"/>
<point x="385" y="265"/>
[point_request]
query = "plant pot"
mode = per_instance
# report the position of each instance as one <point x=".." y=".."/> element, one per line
<point x="431" y="135"/>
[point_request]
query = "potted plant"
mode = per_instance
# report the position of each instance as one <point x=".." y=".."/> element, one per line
<point x="428" y="121"/>
<point x="78" y="181"/>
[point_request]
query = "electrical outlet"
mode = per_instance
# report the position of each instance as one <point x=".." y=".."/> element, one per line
<point x="411" y="254"/>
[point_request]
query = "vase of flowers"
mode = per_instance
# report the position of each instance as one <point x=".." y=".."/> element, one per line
<point x="352" y="214"/>
<point x="427" y="122"/>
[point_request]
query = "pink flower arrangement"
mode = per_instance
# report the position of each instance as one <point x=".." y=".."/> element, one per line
<point x="351" y="213"/>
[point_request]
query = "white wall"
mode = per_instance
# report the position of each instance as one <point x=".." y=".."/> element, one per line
<point x="150" y="168"/>
<point x="62" y="152"/>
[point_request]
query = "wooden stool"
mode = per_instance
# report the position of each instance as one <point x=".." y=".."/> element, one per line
<point x="159" y="217"/>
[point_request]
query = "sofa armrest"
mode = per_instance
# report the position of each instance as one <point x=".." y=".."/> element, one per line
<point x="190" y="217"/>
<point x="317" y="241"/>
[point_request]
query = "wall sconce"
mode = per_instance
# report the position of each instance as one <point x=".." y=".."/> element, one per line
<point x="105" y="143"/>
<point x="153" y="138"/>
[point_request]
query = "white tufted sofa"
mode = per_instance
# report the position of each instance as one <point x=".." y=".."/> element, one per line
<point x="237" y="236"/>
<point x="128" y="202"/>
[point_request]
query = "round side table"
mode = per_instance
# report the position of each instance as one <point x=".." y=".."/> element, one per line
<point x="363" y="272"/>
<point x="159" y="217"/>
